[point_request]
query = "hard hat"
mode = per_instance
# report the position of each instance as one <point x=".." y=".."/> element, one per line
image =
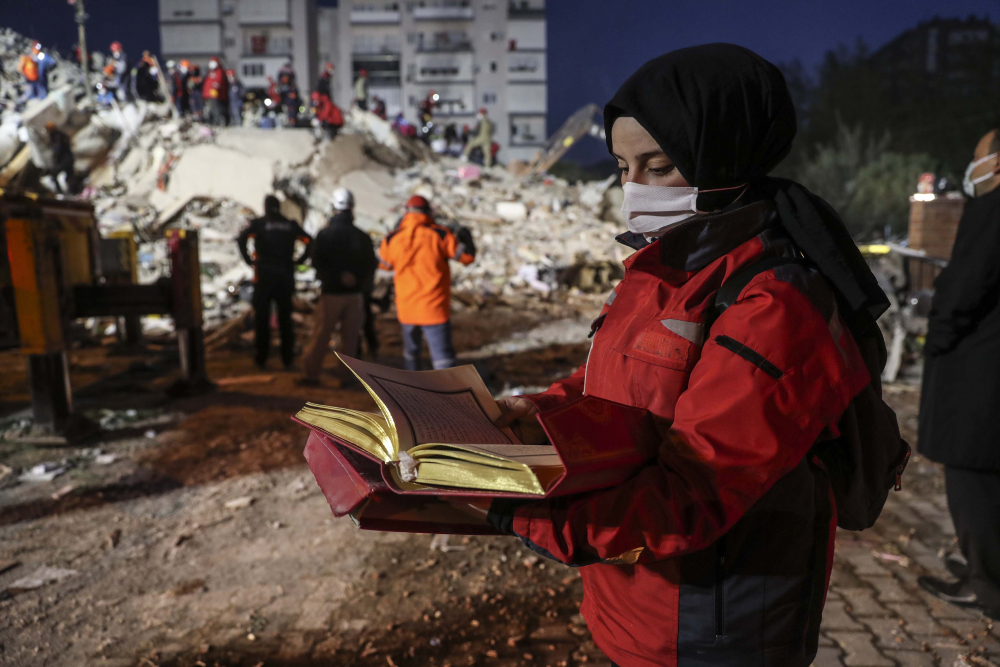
<point x="329" y="65"/>
<point x="230" y="72"/>
<point x="171" y="64"/>
<point x="418" y="202"/>
<point x="116" y="46"/>
<point x="37" y="46"/>
<point x="342" y="199"/>
<point x="362" y="72"/>
<point x="482" y="111"/>
<point x="185" y="63"/>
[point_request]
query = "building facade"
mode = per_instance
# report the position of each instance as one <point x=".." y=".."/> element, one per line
<point x="473" y="53"/>
<point x="254" y="37"/>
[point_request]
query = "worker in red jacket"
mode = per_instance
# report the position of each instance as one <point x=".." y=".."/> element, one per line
<point x="718" y="552"/>
<point x="327" y="114"/>
<point x="215" y="91"/>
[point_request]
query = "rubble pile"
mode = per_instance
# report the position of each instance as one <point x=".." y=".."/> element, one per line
<point x="146" y="171"/>
<point x="12" y="46"/>
<point x="534" y="232"/>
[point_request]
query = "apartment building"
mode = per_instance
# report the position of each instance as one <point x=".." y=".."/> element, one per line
<point x="474" y="53"/>
<point x="254" y="37"/>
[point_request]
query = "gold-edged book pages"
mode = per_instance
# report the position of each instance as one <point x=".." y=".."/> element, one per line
<point x="440" y="423"/>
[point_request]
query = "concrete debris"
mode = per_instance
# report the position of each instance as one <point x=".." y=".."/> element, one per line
<point x="41" y="577"/>
<point x="43" y="472"/>
<point x="239" y="503"/>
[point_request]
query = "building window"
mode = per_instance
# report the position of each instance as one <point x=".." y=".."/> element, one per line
<point x="489" y="98"/>
<point x="496" y="36"/>
<point x="493" y="66"/>
<point x="435" y="72"/>
<point x="253" y="69"/>
<point x="230" y="42"/>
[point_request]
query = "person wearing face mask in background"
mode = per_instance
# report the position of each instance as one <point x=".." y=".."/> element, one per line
<point x="746" y="326"/>
<point x="215" y="91"/>
<point x="961" y="389"/>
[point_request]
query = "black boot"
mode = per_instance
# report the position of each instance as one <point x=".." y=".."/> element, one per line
<point x="958" y="593"/>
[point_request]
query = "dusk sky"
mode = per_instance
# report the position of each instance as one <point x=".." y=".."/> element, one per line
<point x="593" y="44"/>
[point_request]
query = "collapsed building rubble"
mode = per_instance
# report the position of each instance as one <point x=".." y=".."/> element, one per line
<point x="146" y="172"/>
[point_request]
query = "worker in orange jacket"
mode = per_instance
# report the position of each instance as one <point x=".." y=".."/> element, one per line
<point x="418" y="251"/>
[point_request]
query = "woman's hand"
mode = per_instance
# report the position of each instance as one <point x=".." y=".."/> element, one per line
<point x="519" y="413"/>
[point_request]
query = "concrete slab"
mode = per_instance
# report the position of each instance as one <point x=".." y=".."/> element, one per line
<point x="291" y="147"/>
<point x="222" y="173"/>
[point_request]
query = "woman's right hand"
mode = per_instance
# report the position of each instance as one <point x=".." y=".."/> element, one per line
<point x="519" y="413"/>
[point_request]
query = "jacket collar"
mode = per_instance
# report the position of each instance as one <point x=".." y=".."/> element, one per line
<point x="414" y="219"/>
<point x="695" y="244"/>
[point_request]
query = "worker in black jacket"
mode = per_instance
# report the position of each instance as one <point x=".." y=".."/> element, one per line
<point x="961" y="389"/>
<point x="274" y="264"/>
<point x="345" y="264"/>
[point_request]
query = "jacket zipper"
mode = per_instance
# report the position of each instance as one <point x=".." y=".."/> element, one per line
<point x="720" y="598"/>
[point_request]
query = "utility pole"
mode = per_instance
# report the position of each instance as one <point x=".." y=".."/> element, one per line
<point x="81" y="19"/>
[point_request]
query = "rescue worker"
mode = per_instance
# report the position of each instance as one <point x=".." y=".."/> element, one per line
<point x="274" y="263"/>
<point x="62" y="173"/>
<point x="117" y="70"/>
<point x="195" y="83"/>
<point x="236" y="93"/>
<point x="179" y="88"/>
<point x="960" y="394"/>
<point x="718" y="551"/>
<point x="483" y="139"/>
<point x="418" y="251"/>
<point x="327" y="114"/>
<point x="215" y="92"/>
<point x="344" y="259"/>
<point x="288" y="90"/>
<point x="378" y="106"/>
<point x="144" y="83"/>
<point x="361" y="90"/>
<point x="325" y="84"/>
<point x="35" y="68"/>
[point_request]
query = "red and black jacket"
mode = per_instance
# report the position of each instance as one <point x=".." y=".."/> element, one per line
<point x="719" y="552"/>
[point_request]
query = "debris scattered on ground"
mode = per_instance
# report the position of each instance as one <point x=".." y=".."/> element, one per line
<point x="239" y="503"/>
<point x="43" y="472"/>
<point x="42" y="576"/>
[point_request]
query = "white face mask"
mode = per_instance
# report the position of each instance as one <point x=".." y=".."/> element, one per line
<point x="650" y="209"/>
<point x="968" y="183"/>
<point x="213" y="65"/>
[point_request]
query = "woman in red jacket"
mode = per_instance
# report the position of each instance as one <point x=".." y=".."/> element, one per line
<point x="719" y="551"/>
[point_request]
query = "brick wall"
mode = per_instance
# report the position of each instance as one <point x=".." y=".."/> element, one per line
<point x="933" y="225"/>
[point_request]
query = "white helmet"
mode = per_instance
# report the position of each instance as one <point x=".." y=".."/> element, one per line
<point x="342" y="199"/>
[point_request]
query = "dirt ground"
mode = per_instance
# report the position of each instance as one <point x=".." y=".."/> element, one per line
<point x="166" y="570"/>
<point x="190" y="533"/>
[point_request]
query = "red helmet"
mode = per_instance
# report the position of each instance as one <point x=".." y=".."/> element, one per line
<point x="483" y="111"/>
<point x="362" y="72"/>
<point x="329" y="66"/>
<point x="418" y="202"/>
<point x="116" y="46"/>
<point x="230" y="72"/>
<point x="315" y="96"/>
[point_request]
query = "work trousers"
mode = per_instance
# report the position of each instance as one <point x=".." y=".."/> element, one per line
<point x="347" y="310"/>
<point x="438" y="340"/>
<point x="371" y="335"/>
<point x="279" y="290"/>
<point x="974" y="501"/>
<point x="36" y="90"/>
<point x="487" y="147"/>
<point x="215" y="112"/>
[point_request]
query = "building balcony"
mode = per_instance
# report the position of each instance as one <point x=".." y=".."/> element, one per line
<point x="445" y="47"/>
<point x="380" y="17"/>
<point x="516" y="13"/>
<point x="448" y="13"/>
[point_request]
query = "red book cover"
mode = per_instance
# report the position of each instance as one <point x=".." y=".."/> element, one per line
<point x="600" y="443"/>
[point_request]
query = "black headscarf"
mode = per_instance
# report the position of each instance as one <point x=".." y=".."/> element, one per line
<point x="724" y="117"/>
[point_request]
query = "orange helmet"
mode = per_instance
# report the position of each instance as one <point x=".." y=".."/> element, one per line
<point x="418" y="202"/>
<point x="186" y="64"/>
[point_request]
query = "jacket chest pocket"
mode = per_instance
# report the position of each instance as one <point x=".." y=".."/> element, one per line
<point x="669" y="343"/>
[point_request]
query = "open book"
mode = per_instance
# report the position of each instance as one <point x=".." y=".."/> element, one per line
<point x="437" y="426"/>
<point x="435" y="434"/>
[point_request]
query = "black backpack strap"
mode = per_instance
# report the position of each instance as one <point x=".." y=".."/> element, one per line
<point x="732" y="288"/>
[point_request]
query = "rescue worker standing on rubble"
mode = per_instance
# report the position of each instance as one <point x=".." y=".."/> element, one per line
<point x="288" y="89"/>
<point x="361" y="90"/>
<point x="325" y="84"/>
<point x="236" y="93"/>
<point x="179" y="88"/>
<point x="417" y="251"/>
<point x="274" y="263"/>
<point x="35" y="68"/>
<point x="195" y="84"/>
<point x="961" y="389"/>
<point x="215" y="91"/>
<point x="344" y="259"/>
<point x="719" y="550"/>
<point x="483" y="139"/>
<point x="117" y="70"/>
